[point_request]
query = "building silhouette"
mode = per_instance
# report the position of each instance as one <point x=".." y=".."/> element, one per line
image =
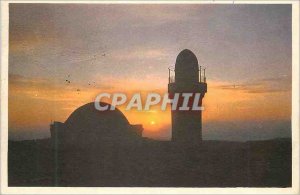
<point x="87" y="127"/>
<point x="188" y="78"/>
<point x="102" y="148"/>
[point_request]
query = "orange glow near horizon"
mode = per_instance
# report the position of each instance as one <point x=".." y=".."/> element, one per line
<point x="34" y="104"/>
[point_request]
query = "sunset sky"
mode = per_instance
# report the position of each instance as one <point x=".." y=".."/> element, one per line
<point x="128" y="48"/>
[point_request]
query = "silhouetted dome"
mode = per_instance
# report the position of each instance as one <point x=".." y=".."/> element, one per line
<point x="87" y="123"/>
<point x="186" y="67"/>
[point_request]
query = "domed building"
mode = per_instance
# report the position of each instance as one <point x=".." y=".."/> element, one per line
<point x="87" y="125"/>
<point x="90" y="145"/>
<point x="101" y="148"/>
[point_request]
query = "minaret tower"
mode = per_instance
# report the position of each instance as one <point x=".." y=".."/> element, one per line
<point x="188" y="77"/>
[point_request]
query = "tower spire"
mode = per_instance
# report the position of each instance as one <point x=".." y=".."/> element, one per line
<point x="187" y="124"/>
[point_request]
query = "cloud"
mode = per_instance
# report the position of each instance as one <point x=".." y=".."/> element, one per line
<point x="266" y="85"/>
<point x="50" y="90"/>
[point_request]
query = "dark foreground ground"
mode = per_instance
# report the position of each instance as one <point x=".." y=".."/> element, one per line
<point x="152" y="163"/>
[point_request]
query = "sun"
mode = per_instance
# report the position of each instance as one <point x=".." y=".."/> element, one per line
<point x="152" y="122"/>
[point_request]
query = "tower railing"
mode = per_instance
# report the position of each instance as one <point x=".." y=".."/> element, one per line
<point x="171" y="74"/>
<point x="172" y="79"/>
<point x="202" y="74"/>
<point x="201" y="69"/>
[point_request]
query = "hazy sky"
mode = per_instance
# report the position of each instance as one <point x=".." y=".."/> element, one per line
<point x="128" y="48"/>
